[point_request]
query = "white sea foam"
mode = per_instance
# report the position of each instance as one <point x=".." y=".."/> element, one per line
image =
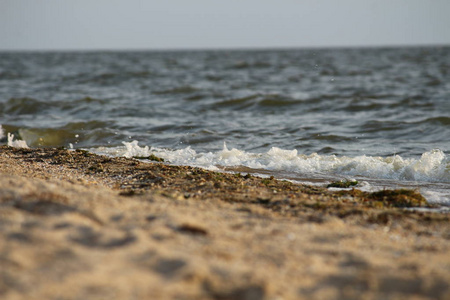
<point x="133" y="150"/>
<point x="432" y="166"/>
<point x="11" y="141"/>
<point x="16" y="143"/>
<point x="430" y="173"/>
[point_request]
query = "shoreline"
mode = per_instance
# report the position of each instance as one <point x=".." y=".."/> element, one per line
<point x="77" y="225"/>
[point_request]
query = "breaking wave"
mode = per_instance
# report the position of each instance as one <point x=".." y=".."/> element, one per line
<point x="431" y="166"/>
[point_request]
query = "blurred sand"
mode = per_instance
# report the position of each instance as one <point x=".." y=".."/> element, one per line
<point x="80" y="226"/>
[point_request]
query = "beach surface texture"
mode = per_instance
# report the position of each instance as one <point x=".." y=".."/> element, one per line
<point x="75" y="225"/>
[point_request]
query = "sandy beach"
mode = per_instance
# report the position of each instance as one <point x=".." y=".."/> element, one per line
<point x="74" y="225"/>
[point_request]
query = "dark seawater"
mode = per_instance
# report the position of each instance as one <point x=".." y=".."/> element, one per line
<point x="373" y="114"/>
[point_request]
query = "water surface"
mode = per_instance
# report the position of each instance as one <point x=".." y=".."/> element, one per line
<point x="379" y="115"/>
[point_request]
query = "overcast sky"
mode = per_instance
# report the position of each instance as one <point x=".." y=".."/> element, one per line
<point x="186" y="24"/>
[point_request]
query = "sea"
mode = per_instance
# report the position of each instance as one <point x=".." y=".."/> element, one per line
<point x="380" y="116"/>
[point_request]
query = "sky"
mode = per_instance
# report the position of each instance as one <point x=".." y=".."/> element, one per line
<point x="213" y="24"/>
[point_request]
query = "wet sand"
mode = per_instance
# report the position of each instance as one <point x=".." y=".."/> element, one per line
<point x="74" y="225"/>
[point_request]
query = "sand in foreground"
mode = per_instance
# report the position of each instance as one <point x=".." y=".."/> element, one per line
<point x="74" y="225"/>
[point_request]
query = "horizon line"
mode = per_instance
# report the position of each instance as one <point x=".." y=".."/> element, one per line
<point x="255" y="48"/>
